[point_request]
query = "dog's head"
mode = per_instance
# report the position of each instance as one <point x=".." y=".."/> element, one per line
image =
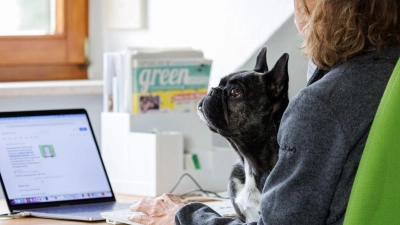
<point x="247" y="103"/>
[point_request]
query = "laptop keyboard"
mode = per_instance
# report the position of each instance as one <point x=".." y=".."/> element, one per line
<point x="85" y="208"/>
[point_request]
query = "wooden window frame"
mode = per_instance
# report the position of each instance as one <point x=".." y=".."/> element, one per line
<point x="60" y="56"/>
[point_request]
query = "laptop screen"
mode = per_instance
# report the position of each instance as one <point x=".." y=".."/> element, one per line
<point x="48" y="158"/>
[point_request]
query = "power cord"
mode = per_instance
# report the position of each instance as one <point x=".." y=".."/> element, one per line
<point x="196" y="190"/>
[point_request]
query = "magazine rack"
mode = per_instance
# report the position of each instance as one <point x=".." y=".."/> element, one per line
<point x="143" y="154"/>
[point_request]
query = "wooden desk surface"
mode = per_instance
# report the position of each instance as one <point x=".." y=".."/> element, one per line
<point x="37" y="221"/>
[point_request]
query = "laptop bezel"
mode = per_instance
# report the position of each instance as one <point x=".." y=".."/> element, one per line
<point x="20" y="207"/>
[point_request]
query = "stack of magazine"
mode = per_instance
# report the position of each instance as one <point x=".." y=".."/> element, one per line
<point x="146" y="80"/>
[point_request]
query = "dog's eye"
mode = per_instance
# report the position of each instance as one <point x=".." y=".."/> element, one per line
<point x="235" y="93"/>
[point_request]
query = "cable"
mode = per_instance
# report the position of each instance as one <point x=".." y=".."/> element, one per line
<point x="179" y="180"/>
<point x="204" y="191"/>
<point x="197" y="184"/>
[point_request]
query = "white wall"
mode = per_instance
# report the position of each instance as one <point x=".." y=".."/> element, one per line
<point x="230" y="32"/>
<point x="285" y="40"/>
<point x="227" y="31"/>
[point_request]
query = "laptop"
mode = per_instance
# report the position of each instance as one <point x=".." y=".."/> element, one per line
<point x="51" y="167"/>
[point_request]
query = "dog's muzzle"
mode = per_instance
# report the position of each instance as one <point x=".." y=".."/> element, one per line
<point x="215" y="91"/>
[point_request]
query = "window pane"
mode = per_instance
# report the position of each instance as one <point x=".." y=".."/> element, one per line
<point x="27" y="17"/>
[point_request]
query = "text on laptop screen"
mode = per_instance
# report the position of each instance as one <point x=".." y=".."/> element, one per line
<point x="50" y="158"/>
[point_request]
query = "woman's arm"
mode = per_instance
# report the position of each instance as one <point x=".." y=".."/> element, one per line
<point x="200" y="214"/>
<point x="312" y="156"/>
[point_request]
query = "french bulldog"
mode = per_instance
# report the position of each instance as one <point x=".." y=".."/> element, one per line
<point x="246" y="109"/>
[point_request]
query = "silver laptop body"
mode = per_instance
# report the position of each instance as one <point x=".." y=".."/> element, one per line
<point x="51" y="167"/>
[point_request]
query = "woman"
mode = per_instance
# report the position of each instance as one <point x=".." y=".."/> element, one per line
<point x="355" y="45"/>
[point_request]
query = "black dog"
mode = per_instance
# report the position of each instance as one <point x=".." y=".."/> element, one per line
<point x="246" y="109"/>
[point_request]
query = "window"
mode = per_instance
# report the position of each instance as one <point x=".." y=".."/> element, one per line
<point x="52" y="48"/>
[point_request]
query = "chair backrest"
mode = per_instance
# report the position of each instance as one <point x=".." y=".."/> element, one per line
<point x="375" y="195"/>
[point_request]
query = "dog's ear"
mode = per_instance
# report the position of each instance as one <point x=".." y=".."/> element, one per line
<point x="279" y="85"/>
<point x="280" y="76"/>
<point x="261" y="64"/>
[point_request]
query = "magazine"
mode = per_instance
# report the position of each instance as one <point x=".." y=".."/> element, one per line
<point x="168" y="85"/>
<point x="152" y="80"/>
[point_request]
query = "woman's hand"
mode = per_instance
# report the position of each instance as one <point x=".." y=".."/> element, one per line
<point x="157" y="211"/>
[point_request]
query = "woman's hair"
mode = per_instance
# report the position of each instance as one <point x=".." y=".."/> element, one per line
<point x="338" y="29"/>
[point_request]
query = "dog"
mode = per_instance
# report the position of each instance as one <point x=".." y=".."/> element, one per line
<point x="246" y="109"/>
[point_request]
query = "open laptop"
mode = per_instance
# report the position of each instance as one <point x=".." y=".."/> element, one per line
<point x="51" y="167"/>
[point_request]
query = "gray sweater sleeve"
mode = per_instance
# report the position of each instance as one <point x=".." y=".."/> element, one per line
<point x="200" y="214"/>
<point x="300" y="188"/>
<point x="313" y="151"/>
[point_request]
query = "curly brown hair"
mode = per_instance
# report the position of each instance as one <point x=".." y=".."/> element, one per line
<point x="338" y="29"/>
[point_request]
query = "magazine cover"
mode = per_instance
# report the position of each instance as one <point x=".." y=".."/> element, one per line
<point x="168" y="85"/>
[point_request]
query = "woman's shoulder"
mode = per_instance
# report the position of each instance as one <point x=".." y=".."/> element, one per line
<point x="359" y="74"/>
<point x="351" y="90"/>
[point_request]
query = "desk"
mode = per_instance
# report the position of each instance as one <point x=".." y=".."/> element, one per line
<point x="37" y="221"/>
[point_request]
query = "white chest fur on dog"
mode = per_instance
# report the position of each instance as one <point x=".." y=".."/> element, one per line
<point x="248" y="196"/>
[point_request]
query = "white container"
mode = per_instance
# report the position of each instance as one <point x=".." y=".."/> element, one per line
<point x="150" y="164"/>
<point x="154" y="164"/>
<point x="140" y="163"/>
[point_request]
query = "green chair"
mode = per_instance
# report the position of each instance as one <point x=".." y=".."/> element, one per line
<point x="375" y="196"/>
